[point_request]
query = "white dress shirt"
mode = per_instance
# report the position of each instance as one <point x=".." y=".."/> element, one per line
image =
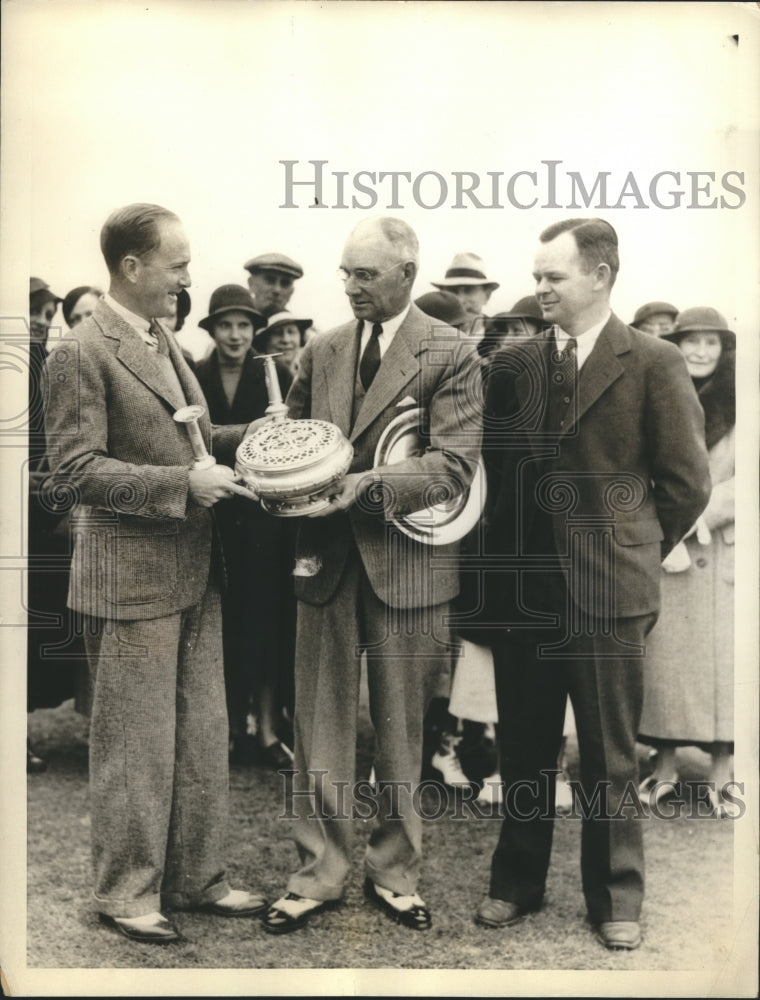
<point x="585" y="340"/>
<point x="138" y="323"/>
<point x="390" y="326"/>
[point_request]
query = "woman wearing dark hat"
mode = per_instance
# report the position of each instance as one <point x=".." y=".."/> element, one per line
<point x="688" y="672"/>
<point x="254" y="604"/>
<point x="43" y="305"/>
<point x="284" y="334"/>
<point x="54" y="679"/>
<point x="79" y="304"/>
<point x="444" y="306"/>
<point x="525" y="319"/>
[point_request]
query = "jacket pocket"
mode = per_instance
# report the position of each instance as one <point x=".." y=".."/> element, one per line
<point x="140" y="569"/>
<point x="638" y="532"/>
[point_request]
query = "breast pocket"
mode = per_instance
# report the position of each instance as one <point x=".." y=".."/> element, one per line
<point x="638" y="532"/>
<point x="140" y="568"/>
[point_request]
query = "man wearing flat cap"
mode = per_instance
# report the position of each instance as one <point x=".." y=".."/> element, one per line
<point x="467" y="279"/>
<point x="657" y="318"/>
<point x="271" y="279"/>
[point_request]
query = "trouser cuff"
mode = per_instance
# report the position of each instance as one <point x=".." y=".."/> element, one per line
<point x="128" y="907"/>
<point x="183" y="901"/>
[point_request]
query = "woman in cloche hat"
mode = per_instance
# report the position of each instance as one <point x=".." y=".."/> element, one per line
<point x="284" y="334"/>
<point x="256" y="598"/>
<point x="688" y="672"/>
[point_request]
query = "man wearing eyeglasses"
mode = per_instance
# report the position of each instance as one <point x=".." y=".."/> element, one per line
<point x="363" y="585"/>
<point x="271" y="280"/>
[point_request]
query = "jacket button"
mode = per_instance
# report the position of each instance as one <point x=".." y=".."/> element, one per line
<point x="701" y="562"/>
<point x="566" y="399"/>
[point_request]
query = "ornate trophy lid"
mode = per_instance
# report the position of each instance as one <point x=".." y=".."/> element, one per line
<point x="290" y="445"/>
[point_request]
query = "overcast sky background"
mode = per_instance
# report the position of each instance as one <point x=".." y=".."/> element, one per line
<point x="194" y="104"/>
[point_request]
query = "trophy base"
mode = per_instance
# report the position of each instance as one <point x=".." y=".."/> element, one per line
<point x="301" y="507"/>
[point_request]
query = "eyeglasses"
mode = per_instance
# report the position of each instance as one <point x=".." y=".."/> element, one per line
<point x="363" y="275"/>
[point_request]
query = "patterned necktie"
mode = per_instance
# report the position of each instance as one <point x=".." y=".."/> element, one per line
<point x="370" y="361"/>
<point x="563" y="378"/>
<point x="155" y="331"/>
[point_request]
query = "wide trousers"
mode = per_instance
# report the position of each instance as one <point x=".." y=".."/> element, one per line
<point x="405" y="650"/>
<point x="601" y="667"/>
<point x="158" y="760"/>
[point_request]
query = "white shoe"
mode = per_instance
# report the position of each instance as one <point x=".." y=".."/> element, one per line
<point x="446" y="761"/>
<point x="492" y="792"/>
<point x="563" y="801"/>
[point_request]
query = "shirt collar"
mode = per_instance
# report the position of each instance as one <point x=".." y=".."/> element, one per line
<point x="390" y="326"/>
<point x="140" y="324"/>
<point x="588" y="336"/>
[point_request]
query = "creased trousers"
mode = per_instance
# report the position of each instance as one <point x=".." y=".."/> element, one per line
<point x="158" y="760"/>
<point x="406" y="649"/>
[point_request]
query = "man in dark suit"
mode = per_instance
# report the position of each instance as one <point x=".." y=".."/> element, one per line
<point x="143" y="578"/>
<point x="364" y="585"/>
<point x="593" y="440"/>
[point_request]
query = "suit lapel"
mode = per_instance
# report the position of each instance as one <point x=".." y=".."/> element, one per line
<point x="398" y="366"/>
<point x="190" y="387"/>
<point x="343" y="354"/>
<point x="602" y="366"/>
<point x="133" y="352"/>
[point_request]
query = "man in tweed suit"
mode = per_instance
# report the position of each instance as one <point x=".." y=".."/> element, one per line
<point x="143" y="577"/>
<point x="362" y="584"/>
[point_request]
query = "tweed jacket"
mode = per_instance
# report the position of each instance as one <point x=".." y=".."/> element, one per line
<point x="623" y="481"/>
<point x="141" y="547"/>
<point x="427" y="365"/>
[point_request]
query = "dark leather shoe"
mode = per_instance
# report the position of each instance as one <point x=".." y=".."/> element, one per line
<point x="416" y="916"/>
<point x="237" y="903"/>
<point x="278" y="921"/>
<point x="499" y="913"/>
<point x="619" y="935"/>
<point x="242" y="749"/>
<point x="157" y="931"/>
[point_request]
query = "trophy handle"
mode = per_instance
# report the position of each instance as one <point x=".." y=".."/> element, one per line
<point x="277" y="409"/>
<point x="189" y="416"/>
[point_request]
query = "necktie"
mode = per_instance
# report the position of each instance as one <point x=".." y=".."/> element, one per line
<point x="370" y="361"/>
<point x="159" y="343"/>
<point x="563" y="378"/>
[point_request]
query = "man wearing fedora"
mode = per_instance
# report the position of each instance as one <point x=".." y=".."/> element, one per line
<point x="145" y="577"/>
<point x="466" y="278"/>
<point x="597" y="467"/>
<point x="271" y="280"/>
<point x="365" y="586"/>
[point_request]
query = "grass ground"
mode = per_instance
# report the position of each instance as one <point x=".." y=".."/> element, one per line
<point x="687" y="922"/>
